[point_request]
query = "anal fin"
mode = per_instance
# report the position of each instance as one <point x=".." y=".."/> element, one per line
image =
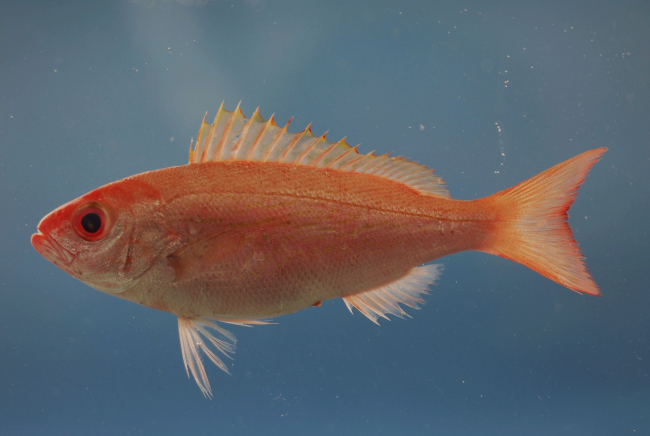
<point x="386" y="300"/>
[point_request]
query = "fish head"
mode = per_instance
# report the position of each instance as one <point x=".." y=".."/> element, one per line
<point x="106" y="238"/>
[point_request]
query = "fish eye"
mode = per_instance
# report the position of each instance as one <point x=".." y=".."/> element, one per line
<point x="91" y="222"/>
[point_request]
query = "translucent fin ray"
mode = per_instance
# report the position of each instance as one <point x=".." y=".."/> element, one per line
<point x="196" y="338"/>
<point x="191" y="331"/>
<point x="234" y="137"/>
<point x="386" y="300"/>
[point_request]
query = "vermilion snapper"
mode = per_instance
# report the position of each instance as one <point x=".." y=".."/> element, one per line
<point x="263" y="223"/>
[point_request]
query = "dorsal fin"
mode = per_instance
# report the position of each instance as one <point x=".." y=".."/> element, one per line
<point x="234" y="137"/>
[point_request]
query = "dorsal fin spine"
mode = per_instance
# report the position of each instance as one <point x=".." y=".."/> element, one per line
<point x="205" y="151"/>
<point x="203" y="144"/>
<point x="197" y="147"/>
<point x="277" y="139"/>
<point x="361" y="165"/>
<point x="310" y="148"/>
<point x="342" y="156"/>
<point x="333" y="154"/>
<point x="237" y="148"/>
<point x="298" y="137"/>
<point x="267" y="124"/>
<point x="371" y="164"/>
<point x="262" y="154"/>
<point x="325" y="153"/>
<point x="244" y="135"/>
<point x="208" y="141"/>
<point x="200" y="145"/>
<point x="302" y="155"/>
<point x="353" y="160"/>
<point x="226" y="131"/>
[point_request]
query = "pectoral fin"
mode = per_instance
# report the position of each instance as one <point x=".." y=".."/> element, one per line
<point x="207" y="254"/>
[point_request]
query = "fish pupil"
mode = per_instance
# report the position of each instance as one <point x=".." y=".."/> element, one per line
<point x="91" y="222"/>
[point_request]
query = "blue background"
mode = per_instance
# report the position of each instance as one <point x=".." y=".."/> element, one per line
<point x="91" y="92"/>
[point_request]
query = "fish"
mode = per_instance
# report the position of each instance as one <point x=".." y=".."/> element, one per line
<point x="263" y="223"/>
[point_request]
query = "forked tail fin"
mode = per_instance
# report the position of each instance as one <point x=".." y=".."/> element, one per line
<point x="532" y="226"/>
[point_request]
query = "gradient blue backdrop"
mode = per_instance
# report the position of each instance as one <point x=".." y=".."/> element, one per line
<point x="91" y="92"/>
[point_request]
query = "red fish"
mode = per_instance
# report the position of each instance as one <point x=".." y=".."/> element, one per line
<point x="263" y="223"/>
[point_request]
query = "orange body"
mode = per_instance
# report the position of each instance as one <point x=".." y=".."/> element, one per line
<point x="267" y="239"/>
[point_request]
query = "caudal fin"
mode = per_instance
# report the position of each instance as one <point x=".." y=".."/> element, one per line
<point x="533" y="228"/>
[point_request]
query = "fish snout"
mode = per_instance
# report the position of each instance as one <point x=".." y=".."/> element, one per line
<point x="52" y="250"/>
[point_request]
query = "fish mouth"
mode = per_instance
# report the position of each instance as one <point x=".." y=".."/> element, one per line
<point x="52" y="250"/>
